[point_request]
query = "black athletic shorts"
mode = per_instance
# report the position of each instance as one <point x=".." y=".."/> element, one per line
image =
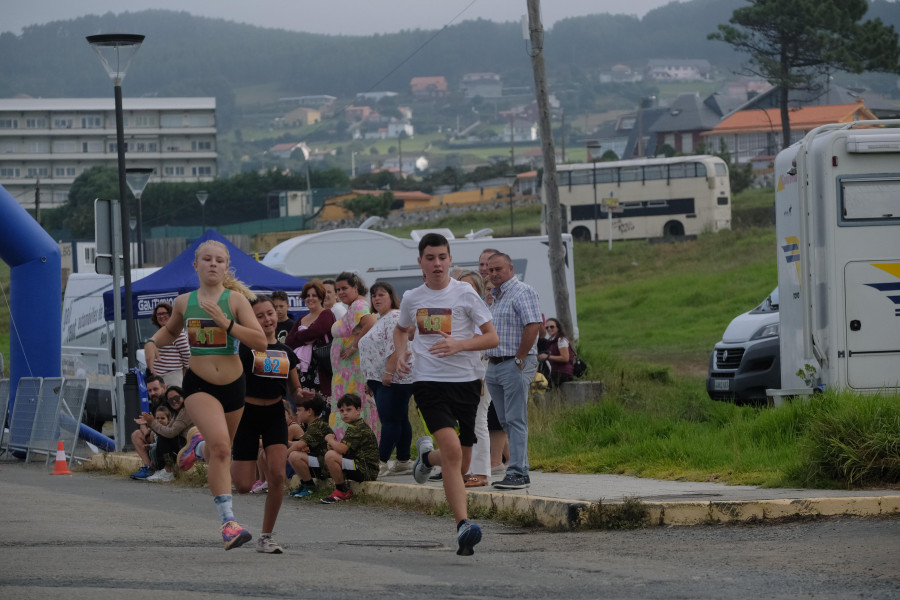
<point x="259" y="421"/>
<point x="448" y="404"/>
<point x="493" y="419"/>
<point x="230" y="396"/>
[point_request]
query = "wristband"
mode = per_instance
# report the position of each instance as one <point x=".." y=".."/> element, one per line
<point x="230" y="325"/>
<point x="152" y="341"/>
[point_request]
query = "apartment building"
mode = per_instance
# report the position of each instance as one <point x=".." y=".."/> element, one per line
<point x="53" y="140"/>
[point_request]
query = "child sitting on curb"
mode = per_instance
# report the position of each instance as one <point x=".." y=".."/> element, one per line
<point x="307" y="454"/>
<point x="356" y="456"/>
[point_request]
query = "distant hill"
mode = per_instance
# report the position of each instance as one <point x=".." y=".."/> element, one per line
<point x="194" y="56"/>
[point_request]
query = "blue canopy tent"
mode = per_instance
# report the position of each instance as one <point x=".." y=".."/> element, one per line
<point x="179" y="277"/>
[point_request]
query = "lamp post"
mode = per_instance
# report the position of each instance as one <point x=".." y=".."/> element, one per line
<point x="511" y="178"/>
<point x="115" y="51"/>
<point x="137" y="179"/>
<point x="202" y="195"/>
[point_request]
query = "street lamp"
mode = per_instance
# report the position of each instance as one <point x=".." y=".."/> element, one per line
<point x="137" y="178"/>
<point x="511" y="178"/>
<point x="202" y="195"/>
<point x="115" y="51"/>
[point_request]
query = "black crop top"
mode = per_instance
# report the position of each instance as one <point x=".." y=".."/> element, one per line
<point x="267" y="372"/>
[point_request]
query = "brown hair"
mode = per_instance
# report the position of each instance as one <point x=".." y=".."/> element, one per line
<point x="384" y="285"/>
<point x="316" y="285"/>
<point x="353" y="280"/>
<point x="166" y="306"/>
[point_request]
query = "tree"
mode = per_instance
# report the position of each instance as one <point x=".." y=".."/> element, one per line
<point x="792" y="42"/>
<point x="369" y="205"/>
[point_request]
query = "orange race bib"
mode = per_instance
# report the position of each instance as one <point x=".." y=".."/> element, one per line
<point x="204" y="333"/>
<point x="271" y="363"/>
<point x="434" y="320"/>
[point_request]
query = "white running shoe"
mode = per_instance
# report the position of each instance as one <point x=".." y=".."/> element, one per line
<point x="162" y="476"/>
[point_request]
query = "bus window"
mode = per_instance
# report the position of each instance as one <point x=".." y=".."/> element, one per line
<point x="606" y="176"/>
<point x="677" y="171"/>
<point x="654" y="172"/>
<point x="630" y="174"/>
<point x="701" y="169"/>
<point x="721" y="170"/>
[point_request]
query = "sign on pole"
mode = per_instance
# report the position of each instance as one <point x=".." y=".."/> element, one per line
<point x="611" y="206"/>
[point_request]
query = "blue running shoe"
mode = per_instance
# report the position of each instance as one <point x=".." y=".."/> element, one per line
<point x="143" y="473"/>
<point x="420" y="471"/>
<point x="468" y="535"/>
<point x="303" y="491"/>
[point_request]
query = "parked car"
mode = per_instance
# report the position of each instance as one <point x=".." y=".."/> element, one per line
<point x="747" y="361"/>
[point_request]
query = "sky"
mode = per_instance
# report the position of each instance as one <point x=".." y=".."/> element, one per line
<point x="348" y="17"/>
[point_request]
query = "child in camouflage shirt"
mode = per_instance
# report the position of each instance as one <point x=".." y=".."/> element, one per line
<point x="307" y="455"/>
<point x="356" y="456"/>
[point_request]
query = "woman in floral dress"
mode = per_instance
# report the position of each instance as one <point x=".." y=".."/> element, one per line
<point x="348" y="376"/>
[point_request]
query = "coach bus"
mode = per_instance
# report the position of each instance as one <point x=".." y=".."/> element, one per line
<point x="650" y="197"/>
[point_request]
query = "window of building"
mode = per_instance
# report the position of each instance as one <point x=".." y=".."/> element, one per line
<point x="64" y="146"/>
<point x="173" y="171"/>
<point x="202" y="171"/>
<point x="9" y="172"/>
<point x="92" y="147"/>
<point x="35" y="123"/>
<point x="61" y="123"/>
<point x="114" y="147"/>
<point x="91" y="122"/>
<point x="37" y="146"/>
<point x="172" y="120"/>
<point x="201" y="120"/>
<point x="9" y="123"/>
<point x="64" y="172"/>
<point x="201" y="145"/>
<point x="143" y="121"/>
<point x="38" y="172"/>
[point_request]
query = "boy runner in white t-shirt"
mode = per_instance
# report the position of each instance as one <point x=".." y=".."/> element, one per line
<point x="447" y="373"/>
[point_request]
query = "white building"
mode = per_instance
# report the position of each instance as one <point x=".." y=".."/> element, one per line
<point x="56" y="139"/>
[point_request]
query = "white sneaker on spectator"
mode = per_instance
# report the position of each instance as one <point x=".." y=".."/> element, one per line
<point x="401" y="467"/>
<point x="383" y="469"/>
<point x="162" y="476"/>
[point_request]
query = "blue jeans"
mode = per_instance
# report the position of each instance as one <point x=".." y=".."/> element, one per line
<point x="392" y="402"/>
<point x="509" y="392"/>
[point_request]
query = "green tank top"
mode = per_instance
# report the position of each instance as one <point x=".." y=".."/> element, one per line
<point x="204" y="336"/>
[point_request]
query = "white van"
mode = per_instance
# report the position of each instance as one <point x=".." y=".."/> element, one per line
<point x="375" y="256"/>
<point x="87" y="340"/>
<point x="748" y="359"/>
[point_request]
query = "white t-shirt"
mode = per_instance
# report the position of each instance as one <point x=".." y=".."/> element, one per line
<point x="338" y="310"/>
<point x="456" y="310"/>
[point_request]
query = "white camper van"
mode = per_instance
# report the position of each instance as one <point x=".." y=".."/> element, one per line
<point x="378" y="256"/>
<point x="87" y="340"/>
<point x="838" y="231"/>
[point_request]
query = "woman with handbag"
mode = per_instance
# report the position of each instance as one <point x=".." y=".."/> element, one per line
<point x="310" y="338"/>
<point x="348" y="375"/>
<point x="559" y="355"/>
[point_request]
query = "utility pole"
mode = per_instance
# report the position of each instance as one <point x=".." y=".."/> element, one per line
<point x="512" y="141"/>
<point x="562" y="135"/>
<point x="551" y="193"/>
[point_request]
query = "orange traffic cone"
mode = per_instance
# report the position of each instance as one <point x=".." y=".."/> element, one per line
<point x="61" y="467"/>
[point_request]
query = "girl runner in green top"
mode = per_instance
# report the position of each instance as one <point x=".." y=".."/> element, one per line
<point x="214" y="384"/>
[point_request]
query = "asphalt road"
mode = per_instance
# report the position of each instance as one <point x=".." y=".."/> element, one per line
<point x="99" y="537"/>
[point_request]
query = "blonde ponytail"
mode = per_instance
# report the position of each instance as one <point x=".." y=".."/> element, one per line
<point x="229" y="281"/>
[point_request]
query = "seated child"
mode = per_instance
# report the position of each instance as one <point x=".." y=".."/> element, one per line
<point x="144" y="441"/>
<point x="307" y="455"/>
<point x="356" y="456"/>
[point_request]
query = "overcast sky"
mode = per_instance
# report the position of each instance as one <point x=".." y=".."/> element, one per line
<point x="351" y="17"/>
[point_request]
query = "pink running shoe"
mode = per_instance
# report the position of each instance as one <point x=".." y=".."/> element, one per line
<point x="188" y="455"/>
<point x="234" y="535"/>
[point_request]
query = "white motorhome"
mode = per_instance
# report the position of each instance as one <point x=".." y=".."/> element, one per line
<point x="838" y="232"/>
<point x="378" y="256"/>
<point x="87" y="340"/>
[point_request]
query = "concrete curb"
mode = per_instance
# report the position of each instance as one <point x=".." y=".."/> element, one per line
<point x="560" y="513"/>
<point x="566" y="514"/>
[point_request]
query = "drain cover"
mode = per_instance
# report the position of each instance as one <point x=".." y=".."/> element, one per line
<point x="394" y="543"/>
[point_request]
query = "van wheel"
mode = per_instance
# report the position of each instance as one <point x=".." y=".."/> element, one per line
<point x="581" y="234"/>
<point x="673" y="229"/>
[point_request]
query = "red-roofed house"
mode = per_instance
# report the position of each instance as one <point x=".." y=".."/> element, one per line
<point x="751" y="133"/>
<point x="428" y="88"/>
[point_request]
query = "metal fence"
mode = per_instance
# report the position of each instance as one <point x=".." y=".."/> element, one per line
<point x="46" y="411"/>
